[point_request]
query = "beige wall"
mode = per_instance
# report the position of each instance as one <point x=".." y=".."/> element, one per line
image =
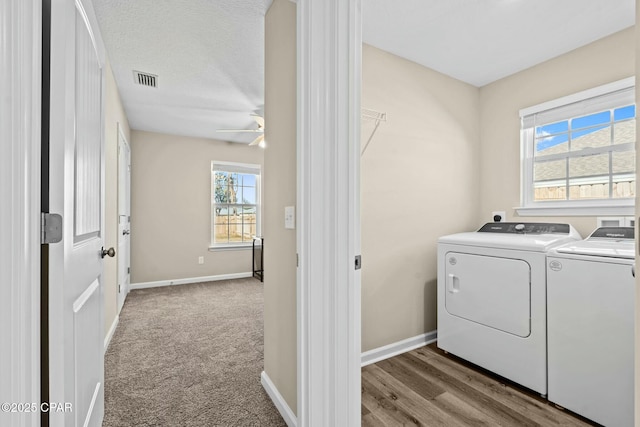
<point x="604" y="61"/>
<point x="280" y="191"/>
<point x="171" y="207"/>
<point x="420" y="180"/>
<point x="114" y="115"/>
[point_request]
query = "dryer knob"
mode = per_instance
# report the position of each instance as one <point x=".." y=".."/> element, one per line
<point x="519" y="227"/>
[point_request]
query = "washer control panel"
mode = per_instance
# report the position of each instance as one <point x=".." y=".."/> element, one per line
<point x="617" y="233"/>
<point x="525" y="228"/>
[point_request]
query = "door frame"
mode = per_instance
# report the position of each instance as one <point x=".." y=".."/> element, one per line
<point x="329" y="50"/>
<point x="120" y="135"/>
<point x="20" y="187"/>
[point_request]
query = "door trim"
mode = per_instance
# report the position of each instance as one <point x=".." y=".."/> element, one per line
<point x="328" y="194"/>
<point x="20" y="155"/>
<point x="127" y="286"/>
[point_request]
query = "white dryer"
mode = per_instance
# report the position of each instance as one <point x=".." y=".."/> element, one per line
<point x="492" y="297"/>
<point x="591" y="293"/>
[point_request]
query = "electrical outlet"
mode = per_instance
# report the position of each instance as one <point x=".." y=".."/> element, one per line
<point x="501" y="214"/>
<point x="200" y="260"/>
<point x="289" y="217"/>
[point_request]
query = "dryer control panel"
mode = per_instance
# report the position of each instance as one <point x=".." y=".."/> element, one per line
<point x="525" y="228"/>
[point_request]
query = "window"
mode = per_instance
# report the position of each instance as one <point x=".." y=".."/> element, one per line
<point x="235" y="204"/>
<point x="578" y="153"/>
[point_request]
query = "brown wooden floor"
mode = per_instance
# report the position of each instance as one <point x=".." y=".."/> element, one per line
<point x="426" y="387"/>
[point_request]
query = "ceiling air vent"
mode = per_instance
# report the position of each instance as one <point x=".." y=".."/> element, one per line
<point x="145" y="79"/>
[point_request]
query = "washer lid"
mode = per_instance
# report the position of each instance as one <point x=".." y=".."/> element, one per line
<point x="610" y="242"/>
<point x="510" y="236"/>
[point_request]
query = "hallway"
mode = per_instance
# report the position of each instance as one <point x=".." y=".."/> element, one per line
<point x="189" y="355"/>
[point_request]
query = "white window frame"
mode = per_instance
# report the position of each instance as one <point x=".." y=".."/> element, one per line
<point x="246" y="168"/>
<point x="529" y="207"/>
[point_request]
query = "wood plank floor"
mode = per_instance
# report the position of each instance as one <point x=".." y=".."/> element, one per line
<point x="426" y="387"/>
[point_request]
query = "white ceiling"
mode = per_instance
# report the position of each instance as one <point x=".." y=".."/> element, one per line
<point x="209" y="54"/>
<point x="480" y="41"/>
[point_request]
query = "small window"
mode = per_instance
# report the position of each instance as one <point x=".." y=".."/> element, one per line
<point x="579" y="151"/>
<point x="235" y="204"/>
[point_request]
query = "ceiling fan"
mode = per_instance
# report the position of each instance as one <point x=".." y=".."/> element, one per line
<point x="260" y="121"/>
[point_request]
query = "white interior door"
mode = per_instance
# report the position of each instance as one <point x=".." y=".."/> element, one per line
<point x="76" y="333"/>
<point x="124" y="218"/>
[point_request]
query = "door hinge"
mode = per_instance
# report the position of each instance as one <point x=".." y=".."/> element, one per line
<point x="50" y="228"/>
<point x="128" y="270"/>
<point x="119" y="288"/>
<point x="358" y="262"/>
<point x="297" y="261"/>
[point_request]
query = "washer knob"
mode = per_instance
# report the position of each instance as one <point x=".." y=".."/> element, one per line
<point x="519" y="227"/>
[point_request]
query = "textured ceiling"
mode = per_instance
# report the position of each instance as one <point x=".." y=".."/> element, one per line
<point x="480" y="41"/>
<point x="209" y="54"/>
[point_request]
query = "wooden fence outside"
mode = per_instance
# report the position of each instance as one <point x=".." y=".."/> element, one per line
<point x="588" y="191"/>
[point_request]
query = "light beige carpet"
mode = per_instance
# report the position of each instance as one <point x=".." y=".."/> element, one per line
<point x="189" y="355"/>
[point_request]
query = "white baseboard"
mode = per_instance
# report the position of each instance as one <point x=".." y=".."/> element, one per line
<point x="282" y="406"/>
<point x="396" y="348"/>
<point x="144" y="285"/>
<point x="112" y="331"/>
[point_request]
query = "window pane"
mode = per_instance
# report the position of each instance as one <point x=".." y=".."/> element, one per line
<point x="550" y="191"/>
<point x="589" y="165"/>
<point x="553" y="128"/>
<point x="221" y="233"/>
<point x="221" y="214"/>
<point x="627" y="112"/>
<point x="220" y="177"/>
<point x="221" y="224"/>
<point x="220" y="193"/>
<point x="623" y="187"/>
<point x="235" y="224"/>
<point x="249" y="230"/>
<point x="236" y="237"/>
<point x="249" y="211"/>
<point x="594" y="188"/>
<point x="544" y="171"/>
<point x="232" y="191"/>
<point x="624" y="132"/>
<point x="552" y="144"/>
<point x="590" y="138"/>
<point x="235" y="196"/>
<point x="249" y="180"/>
<point x="249" y="195"/>
<point x="591" y="120"/>
<point x="624" y="162"/>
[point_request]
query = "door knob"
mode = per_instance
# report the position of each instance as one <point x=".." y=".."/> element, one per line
<point x="125" y="232"/>
<point x="104" y="252"/>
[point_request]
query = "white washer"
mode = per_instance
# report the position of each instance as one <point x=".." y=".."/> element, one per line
<point x="590" y="303"/>
<point x="492" y="297"/>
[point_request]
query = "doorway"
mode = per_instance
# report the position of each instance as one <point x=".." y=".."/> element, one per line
<point x="124" y="218"/>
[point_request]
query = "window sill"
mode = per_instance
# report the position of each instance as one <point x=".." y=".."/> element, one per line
<point x="628" y="209"/>
<point x="242" y="247"/>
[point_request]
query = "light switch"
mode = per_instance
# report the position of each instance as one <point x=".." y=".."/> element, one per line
<point x="289" y="217"/>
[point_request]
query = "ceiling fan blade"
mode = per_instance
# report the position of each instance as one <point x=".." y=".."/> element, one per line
<point x="259" y="120"/>
<point x="258" y="140"/>
<point x="241" y="130"/>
